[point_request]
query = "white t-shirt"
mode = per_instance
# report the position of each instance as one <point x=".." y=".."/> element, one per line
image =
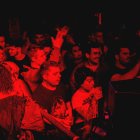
<point x="86" y="101"/>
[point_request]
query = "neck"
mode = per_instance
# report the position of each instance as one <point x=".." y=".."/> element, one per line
<point x="92" y="66"/>
<point x="48" y="86"/>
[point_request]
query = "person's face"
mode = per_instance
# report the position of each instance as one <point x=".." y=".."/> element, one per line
<point x="94" y="56"/>
<point x="2" y="41"/>
<point x="13" y="51"/>
<point x="88" y="83"/>
<point x="39" y="38"/>
<point x="124" y="56"/>
<point x="39" y="57"/>
<point x="99" y="37"/>
<point x="52" y="76"/>
<point x="76" y="52"/>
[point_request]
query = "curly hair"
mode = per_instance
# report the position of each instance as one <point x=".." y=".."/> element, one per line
<point x="6" y="84"/>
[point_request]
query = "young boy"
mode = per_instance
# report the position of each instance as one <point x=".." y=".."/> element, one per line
<point x="85" y="101"/>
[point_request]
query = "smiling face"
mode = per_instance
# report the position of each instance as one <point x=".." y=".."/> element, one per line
<point x="94" y="55"/>
<point x="124" y="55"/>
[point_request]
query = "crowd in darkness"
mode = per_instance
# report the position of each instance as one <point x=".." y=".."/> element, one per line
<point x="54" y="85"/>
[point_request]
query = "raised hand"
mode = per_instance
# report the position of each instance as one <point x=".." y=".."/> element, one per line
<point x="58" y="40"/>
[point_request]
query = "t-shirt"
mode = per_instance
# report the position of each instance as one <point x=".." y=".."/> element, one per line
<point x="116" y="70"/>
<point x="86" y="102"/>
<point x="53" y="101"/>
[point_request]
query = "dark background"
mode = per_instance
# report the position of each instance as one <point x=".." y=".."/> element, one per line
<point x="78" y="14"/>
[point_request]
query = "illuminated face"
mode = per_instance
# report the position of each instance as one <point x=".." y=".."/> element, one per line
<point x="99" y="37"/>
<point x="2" y="41"/>
<point x="76" y="52"/>
<point x="38" y="57"/>
<point x="88" y="83"/>
<point x="13" y="51"/>
<point x="94" y="56"/>
<point x="124" y="56"/>
<point x="52" y="76"/>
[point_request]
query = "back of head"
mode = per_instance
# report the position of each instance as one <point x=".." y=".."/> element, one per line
<point x="15" y="42"/>
<point x="5" y="80"/>
<point x="11" y="66"/>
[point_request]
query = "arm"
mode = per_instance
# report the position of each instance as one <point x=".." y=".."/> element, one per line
<point x="57" y="124"/>
<point x="70" y="114"/>
<point x="57" y="43"/>
<point x="86" y="115"/>
<point x="129" y="75"/>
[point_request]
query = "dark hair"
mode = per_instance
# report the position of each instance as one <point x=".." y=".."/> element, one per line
<point x="118" y="44"/>
<point x="16" y="42"/>
<point x="81" y="74"/>
<point x="91" y="45"/>
<point x="6" y="84"/>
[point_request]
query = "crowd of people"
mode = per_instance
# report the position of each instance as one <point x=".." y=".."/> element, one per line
<point x="55" y="86"/>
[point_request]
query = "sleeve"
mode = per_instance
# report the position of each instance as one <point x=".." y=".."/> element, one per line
<point x="55" y="55"/>
<point x="32" y="119"/>
<point x="76" y="100"/>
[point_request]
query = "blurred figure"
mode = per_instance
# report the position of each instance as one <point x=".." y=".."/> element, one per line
<point x="123" y="68"/>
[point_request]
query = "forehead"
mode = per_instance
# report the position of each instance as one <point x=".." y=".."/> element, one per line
<point x="122" y="50"/>
<point x="95" y="50"/>
<point x="89" y="79"/>
<point x="11" y="47"/>
<point x="100" y="34"/>
<point x="54" y="68"/>
<point x="2" y="38"/>
<point x="75" y="48"/>
<point x="39" y="35"/>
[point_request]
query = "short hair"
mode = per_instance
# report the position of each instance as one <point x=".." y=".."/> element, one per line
<point x="48" y="64"/>
<point x="118" y="44"/>
<point x="81" y="74"/>
<point x="91" y="45"/>
<point x="16" y="42"/>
